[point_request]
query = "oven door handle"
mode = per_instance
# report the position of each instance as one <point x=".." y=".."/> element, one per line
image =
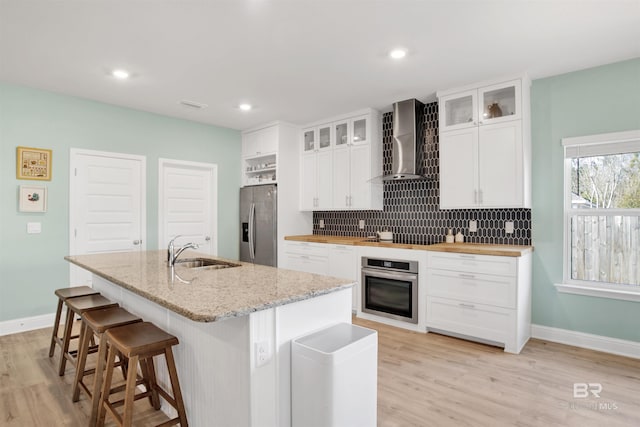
<point x="388" y="275"/>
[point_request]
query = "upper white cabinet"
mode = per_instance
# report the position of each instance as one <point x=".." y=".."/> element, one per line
<point x="485" y="146"/>
<point x="260" y="155"/>
<point x="354" y="148"/>
<point x="316" y="167"/>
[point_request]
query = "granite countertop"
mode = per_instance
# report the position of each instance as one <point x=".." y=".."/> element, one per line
<point x="464" y="248"/>
<point x="212" y="294"/>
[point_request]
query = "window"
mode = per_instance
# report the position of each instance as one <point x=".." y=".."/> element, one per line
<point x="602" y="215"/>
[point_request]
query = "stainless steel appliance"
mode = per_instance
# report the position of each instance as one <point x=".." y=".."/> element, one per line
<point x="390" y="288"/>
<point x="258" y="225"/>
<point x="408" y="143"/>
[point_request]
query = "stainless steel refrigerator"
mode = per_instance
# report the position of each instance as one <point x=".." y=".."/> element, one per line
<point x="259" y="225"/>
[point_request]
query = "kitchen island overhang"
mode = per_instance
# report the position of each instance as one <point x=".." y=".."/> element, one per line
<point x="221" y="317"/>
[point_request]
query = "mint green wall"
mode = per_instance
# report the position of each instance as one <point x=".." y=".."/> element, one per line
<point x="32" y="265"/>
<point x="597" y="100"/>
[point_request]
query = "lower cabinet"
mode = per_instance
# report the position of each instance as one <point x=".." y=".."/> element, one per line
<point x="322" y="258"/>
<point x="343" y="262"/>
<point x="482" y="297"/>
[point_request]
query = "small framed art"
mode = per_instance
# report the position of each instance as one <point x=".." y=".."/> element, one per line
<point x="32" y="198"/>
<point x="33" y="163"/>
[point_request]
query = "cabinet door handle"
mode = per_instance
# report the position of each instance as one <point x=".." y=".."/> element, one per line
<point x="350" y="200"/>
<point x="466" y="305"/>
<point x="475" y="123"/>
<point x="467" y="276"/>
<point x="480" y="196"/>
<point x="346" y="200"/>
<point x="137" y="242"/>
<point x="475" y="196"/>
<point x="468" y="256"/>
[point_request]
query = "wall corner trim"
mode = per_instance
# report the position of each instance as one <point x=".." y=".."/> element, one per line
<point x="589" y="341"/>
<point x="25" y="324"/>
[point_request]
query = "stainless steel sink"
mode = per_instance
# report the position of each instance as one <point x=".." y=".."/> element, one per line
<point x="207" y="263"/>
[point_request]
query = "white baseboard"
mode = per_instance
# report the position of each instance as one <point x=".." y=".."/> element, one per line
<point x="25" y="324"/>
<point x="590" y="341"/>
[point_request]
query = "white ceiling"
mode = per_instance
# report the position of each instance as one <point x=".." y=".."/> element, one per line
<point x="299" y="60"/>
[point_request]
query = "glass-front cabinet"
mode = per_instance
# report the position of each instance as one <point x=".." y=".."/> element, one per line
<point x="309" y="140"/>
<point x="324" y="137"/>
<point x="500" y="102"/>
<point x="360" y="130"/>
<point x="459" y="110"/>
<point x="485" y="105"/>
<point x="317" y="138"/>
<point x="342" y="133"/>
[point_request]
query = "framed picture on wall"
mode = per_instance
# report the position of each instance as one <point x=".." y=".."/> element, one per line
<point x="32" y="198"/>
<point x="33" y="163"/>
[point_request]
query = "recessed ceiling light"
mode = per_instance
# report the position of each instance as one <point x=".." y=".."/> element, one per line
<point x="245" y="107"/>
<point x="398" y="53"/>
<point x="120" y="74"/>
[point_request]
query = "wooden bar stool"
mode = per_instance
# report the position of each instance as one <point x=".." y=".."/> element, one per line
<point x="96" y="322"/>
<point x="140" y="342"/>
<point x="79" y="306"/>
<point x="63" y="294"/>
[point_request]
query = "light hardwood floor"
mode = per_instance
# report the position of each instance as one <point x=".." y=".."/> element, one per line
<point x="423" y="380"/>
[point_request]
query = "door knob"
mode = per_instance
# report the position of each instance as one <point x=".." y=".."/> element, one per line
<point x="207" y="239"/>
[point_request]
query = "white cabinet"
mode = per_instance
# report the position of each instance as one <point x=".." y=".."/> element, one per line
<point x="260" y="155"/>
<point x="308" y="257"/>
<point x="260" y="142"/>
<point x="482" y="297"/>
<point x="355" y="148"/>
<point x="316" y="168"/>
<point x="354" y="164"/>
<point x="485" y="146"/>
<point x="327" y="259"/>
<point x="315" y="181"/>
<point x="343" y="263"/>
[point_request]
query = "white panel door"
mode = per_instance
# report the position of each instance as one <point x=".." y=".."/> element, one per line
<point x="458" y="168"/>
<point x="106" y="205"/>
<point x="308" y="187"/>
<point x="500" y="165"/>
<point x="360" y="167"/>
<point x="187" y="204"/>
<point x="325" y="180"/>
<point x="341" y="178"/>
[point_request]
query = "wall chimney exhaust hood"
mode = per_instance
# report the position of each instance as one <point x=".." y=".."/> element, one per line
<point x="408" y="141"/>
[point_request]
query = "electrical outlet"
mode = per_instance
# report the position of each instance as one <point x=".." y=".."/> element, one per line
<point x="508" y="227"/>
<point x="361" y="224"/>
<point x="473" y="226"/>
<point x="263" y="353"/>
<point x="322" y="223"/>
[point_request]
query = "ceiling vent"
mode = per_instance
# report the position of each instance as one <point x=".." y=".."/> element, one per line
<point x="193" y="104"/>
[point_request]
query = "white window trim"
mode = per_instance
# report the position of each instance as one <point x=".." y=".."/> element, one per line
<point x="581" y="287"/>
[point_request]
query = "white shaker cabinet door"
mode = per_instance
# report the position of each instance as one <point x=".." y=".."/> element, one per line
<point x="308" y="182"/>
<point x="458" y="168"/>
<point x="500" y="164"/>
<point x="360" y="165"/>
<point x="341" y="177"/>
<point x="324" y="180"/>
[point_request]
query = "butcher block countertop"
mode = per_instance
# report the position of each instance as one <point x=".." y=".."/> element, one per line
<point x="207" y="294"/>
<point x="462" y="248"/>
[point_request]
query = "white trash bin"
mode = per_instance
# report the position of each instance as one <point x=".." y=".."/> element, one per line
<point x="334" y="377"/>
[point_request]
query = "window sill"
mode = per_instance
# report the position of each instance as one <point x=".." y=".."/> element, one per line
<point x="600" y="291"/>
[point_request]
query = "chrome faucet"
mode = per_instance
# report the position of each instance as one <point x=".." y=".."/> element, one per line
<point x="172" y="254"/>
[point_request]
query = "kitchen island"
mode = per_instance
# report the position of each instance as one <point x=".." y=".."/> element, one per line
<point x="234" y="324"/>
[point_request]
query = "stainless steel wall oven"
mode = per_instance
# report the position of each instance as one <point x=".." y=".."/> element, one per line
<point x="390" y="288"/>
